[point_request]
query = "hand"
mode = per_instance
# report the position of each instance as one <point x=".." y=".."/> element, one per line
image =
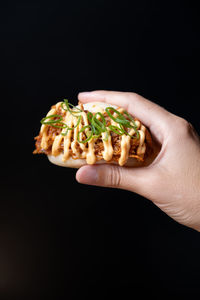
<point x="172" y="181"/>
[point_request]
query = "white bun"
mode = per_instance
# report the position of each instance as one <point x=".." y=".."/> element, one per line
<point x="77" y="163"/>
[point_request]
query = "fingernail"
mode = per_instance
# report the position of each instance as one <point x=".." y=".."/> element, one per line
<point x="91" y="95"/>
<point x="88" y="175"/>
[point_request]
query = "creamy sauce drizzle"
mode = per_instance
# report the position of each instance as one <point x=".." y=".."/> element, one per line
<point x="70" y="141"/>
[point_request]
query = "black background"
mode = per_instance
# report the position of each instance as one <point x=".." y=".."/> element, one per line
<point x="61" y="239"/>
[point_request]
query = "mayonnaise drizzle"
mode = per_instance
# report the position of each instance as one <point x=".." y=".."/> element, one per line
<point x="70" y="142"/>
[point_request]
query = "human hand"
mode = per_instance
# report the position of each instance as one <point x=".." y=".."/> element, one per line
<point x="172" y="180"/>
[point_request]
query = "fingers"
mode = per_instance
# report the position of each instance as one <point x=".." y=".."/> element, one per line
<point x="137" y="180"/>
<point x="150" y="114"/>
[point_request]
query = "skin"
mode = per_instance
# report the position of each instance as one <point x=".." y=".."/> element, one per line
<point x="172" y="180"/>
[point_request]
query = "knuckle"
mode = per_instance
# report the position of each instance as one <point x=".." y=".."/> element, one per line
<point x="130" y="95"/>
<point x="183" y="127"/>
<point x="191" y="126"/>
<point x="183" y="122"/>
<point x="114" y="176"/>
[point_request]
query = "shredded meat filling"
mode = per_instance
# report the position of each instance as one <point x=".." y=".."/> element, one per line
<point x="52" y="132"/>
<point x="98" y="145"/>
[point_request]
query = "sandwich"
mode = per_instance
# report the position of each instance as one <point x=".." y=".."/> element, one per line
<point x="93" y="133"/>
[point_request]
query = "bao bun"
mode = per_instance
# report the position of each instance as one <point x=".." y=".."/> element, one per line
<point x="77" y="163"/>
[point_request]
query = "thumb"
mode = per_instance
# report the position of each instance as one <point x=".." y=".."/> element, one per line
<point x="137" y="180"/>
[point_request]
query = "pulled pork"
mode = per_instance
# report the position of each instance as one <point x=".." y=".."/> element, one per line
<point x="52" y="132"/>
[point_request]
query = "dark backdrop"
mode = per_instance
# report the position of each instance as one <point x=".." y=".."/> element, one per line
<point x="59" y="238"/>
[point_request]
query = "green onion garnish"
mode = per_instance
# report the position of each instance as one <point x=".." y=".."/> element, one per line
<point x="101" y="126"/>
<point x="96" y="125"/>
<point x="74" y="109"/>
<point x="116" y="129"/>
<point x="131" y="119"/>
<point x="122" y="120"/>
<point x="88" y="138"/>
<point x="53" y="122"/>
